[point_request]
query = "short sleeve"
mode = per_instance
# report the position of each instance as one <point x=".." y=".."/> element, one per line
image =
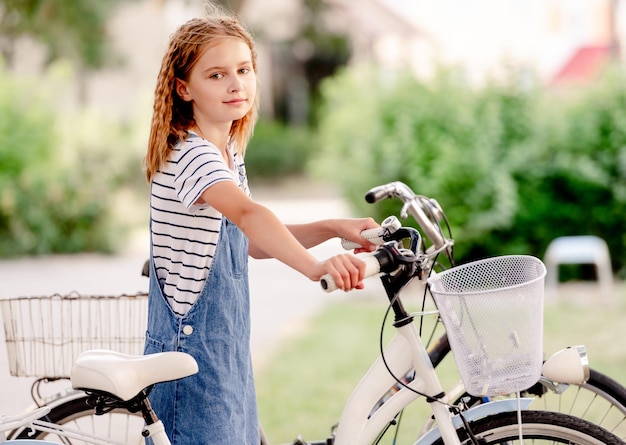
<point x="199" y="166"/>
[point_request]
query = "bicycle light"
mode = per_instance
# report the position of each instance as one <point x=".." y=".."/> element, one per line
<point x="569" y="365"/>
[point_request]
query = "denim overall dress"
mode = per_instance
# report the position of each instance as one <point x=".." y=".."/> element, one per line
<point x="217" y="405"/>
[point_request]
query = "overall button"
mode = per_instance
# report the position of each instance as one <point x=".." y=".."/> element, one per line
<point x="188" y="330"/>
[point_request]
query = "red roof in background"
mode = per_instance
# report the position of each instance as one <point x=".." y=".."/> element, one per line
<point x="583" y="66"/>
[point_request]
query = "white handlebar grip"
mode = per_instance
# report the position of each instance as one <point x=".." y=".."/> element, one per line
<point x="374" y="235"/>
<point x="372" y="267"/>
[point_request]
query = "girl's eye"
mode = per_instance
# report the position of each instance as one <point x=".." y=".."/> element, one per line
<point x="245" y="70"/>
<point x="216" y="76"/>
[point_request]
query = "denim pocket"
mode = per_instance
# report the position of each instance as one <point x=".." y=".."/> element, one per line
<point x="237" y="264"/>
<point x="236" y="251"/>
<point x="152" y="345"/>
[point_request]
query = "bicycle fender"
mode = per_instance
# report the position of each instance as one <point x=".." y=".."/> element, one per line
<point x="477" y="412"/>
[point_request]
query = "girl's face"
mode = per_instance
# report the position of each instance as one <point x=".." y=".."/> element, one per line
<point x="222" y="84"/>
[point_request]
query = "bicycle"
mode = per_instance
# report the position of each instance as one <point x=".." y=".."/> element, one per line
<point x="105" y="374"/>
<point x="599" y="398"/>
<point x="122" y="381"/>
<point x="439" y="351"/>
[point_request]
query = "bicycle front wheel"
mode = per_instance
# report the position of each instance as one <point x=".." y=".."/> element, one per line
<point x="601" y="400"/>
<point x="118" y="425"/>
<point x="538" y="427"/>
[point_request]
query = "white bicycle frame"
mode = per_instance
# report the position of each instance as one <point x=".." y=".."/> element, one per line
<point x="30" y="419"/>
<point x="405" y="352"/>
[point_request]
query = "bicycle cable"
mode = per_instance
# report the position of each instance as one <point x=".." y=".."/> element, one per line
<point x="437" y="397"/>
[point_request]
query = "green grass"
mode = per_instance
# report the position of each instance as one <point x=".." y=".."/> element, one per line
<point x="302" y="389"/>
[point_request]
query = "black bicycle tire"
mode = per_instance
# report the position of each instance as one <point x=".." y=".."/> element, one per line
<point x="608" y="386"/>
<point x="61" y="414"/>
<point x="555" y="427"/>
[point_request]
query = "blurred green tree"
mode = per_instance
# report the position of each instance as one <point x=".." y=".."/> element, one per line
<point x="513" y="165"/>
<point x="74" y="30"/>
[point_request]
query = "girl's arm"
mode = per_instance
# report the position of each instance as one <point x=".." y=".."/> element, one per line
<point x="267" y="234"/>
<point x="312" y="234"/>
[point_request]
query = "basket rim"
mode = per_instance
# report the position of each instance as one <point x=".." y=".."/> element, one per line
<point x="72" y="296"/>
<point x="438" y="277"/>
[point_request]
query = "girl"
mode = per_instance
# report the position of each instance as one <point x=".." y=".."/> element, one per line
<point x="204" y="224"/>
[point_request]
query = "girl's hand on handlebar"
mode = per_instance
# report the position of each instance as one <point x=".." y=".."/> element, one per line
<point x="348" y="271"/>
<point x="350" y="229"/>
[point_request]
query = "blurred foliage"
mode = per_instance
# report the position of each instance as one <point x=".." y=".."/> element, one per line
<point x="60" y="174"/>
<point x="513" y="166"/>
<point x="277" y="149"/>
<point x="576" y="181"/>
<point x="71" y="181"/>
<point x="73" y="30"/>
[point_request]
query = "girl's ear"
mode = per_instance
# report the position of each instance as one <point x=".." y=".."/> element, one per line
<point x="182" y="90"/>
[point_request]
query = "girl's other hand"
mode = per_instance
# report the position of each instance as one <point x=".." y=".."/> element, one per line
<point x="351" y="229"/>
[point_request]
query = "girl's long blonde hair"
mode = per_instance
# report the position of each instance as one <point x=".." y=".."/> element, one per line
<point x="171" y="115"/>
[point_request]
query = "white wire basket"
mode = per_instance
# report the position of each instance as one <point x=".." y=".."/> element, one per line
<point x="492" y="310"/>
<point x="44" y="334"/>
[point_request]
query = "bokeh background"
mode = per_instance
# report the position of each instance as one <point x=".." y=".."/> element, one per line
<point x="511" y="114"/>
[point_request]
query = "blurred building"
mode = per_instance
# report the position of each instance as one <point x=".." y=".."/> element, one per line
<point x="559" y="41"/>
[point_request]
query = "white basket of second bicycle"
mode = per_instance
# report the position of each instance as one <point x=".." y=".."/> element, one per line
<point x="45" y="334"/>
<point x="493" y="313"/>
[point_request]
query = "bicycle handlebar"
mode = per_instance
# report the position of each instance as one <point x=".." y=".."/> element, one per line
<point x="377" y="235"/>
<point x="416" y="205"/>
<point x="387" y="259"/>
<point x="428" y="214"/>
<point x="372" y="267"/>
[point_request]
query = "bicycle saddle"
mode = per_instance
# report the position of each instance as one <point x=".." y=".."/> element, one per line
<point x="123" y="375"/>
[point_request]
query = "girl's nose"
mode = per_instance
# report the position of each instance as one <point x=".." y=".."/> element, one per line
<point x="235" y="86"/>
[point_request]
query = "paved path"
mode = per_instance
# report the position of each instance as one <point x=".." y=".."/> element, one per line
<point x="281" y="298"/>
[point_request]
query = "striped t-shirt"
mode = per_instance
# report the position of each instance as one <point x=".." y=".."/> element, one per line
<point x="184" y="234"/>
